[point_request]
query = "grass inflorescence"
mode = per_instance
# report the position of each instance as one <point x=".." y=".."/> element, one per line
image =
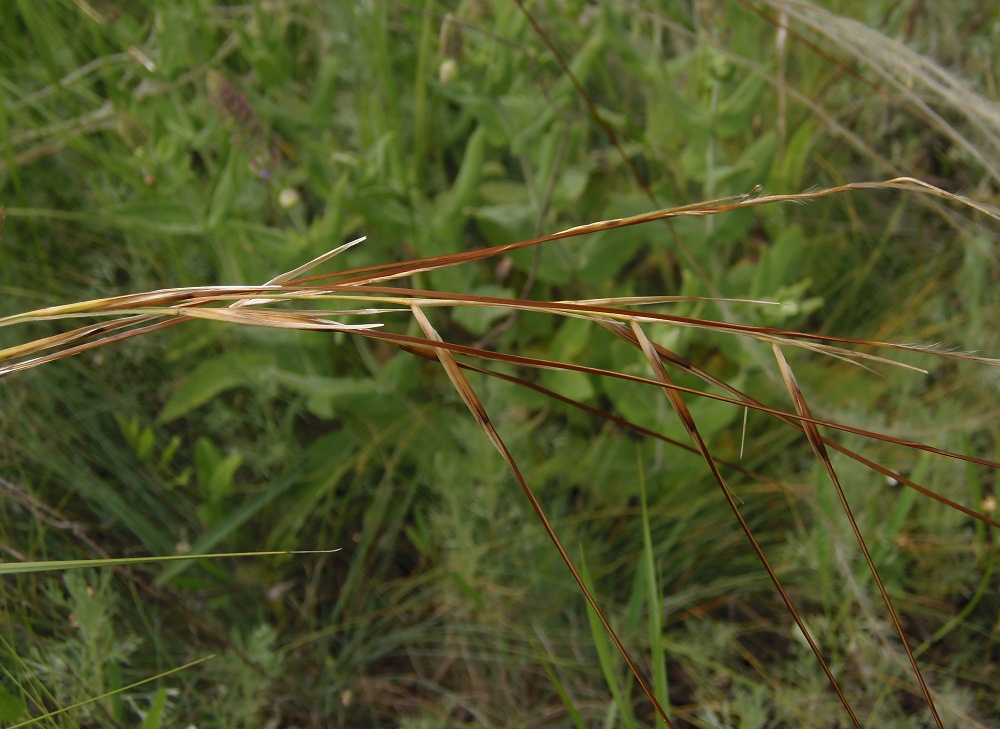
<point x="734" y="460"/>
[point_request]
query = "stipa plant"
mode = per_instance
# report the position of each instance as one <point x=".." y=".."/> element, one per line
<point x="219" y="143"/>
<point x="320" y="302"/>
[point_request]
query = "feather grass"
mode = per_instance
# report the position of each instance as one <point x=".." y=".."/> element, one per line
<point x="257" y="306"/>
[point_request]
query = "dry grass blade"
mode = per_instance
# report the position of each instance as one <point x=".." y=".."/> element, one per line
<point x="299" y="270"/>
<point x="190" y="303"/>
<point x="389" y="271"/>
<point x="795" y="420"/>
<point x="468" y="395"/>
<point x="816" y="442"/>
<point x="77" y="349"/>
<point x="242" y="305"/>
<point x="603" y="414"/>
<point x="915" y="81"/>
<point x="276" y="319"/>
<point x="656" y="363"/>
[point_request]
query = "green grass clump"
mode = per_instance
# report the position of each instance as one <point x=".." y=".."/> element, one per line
<point x="187" y="146"/>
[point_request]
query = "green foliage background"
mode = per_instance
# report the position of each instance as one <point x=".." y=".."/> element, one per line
<point x="155" y="144"/>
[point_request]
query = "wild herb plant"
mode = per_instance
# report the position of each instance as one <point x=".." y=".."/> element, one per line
<point x="633" y="377"/>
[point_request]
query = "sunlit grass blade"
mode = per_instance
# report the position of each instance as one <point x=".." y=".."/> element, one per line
<point x="14" y="568"/>
<point x="108" y="694"/>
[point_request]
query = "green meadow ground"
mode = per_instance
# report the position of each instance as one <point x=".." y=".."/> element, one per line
<point x="187" y="143"/>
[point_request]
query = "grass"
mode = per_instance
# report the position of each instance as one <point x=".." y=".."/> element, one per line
<point x="192" y="145"/>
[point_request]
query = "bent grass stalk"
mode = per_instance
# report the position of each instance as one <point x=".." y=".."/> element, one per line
<point x="144" y="313"/>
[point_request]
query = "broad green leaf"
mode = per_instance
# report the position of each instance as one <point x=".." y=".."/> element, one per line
<point x="571" y="185"/>
<point x="271" y="239"/>
<point x="323" y="92"/>
<point x="788" y="172"/>
<point x="503" y="224"/>
<point x="779" y="263"/>
<point x="737" y="109"/>
<point x="224" y="193"/>
<point x="221" y="373"/>
<point x="327" y="387"/>
<point x="572" y="338"/>
<point x="558" y="261"/>
<point x="383" y="210"/>
<point x="400" y="374"/>
<point x="645" y="405"/>
<point x="158" y="217"/>
<point x="575" y="385"/>
<point x="450" y="209"/>
<point x="215" y="471"/>
<point x="479" y="319"/>
<point x="11" y="707"/>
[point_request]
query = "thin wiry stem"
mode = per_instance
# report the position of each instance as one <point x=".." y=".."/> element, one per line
<point x="812" y="434"/>
<point x="475" y="406"/>
<point x="687" y="420"/>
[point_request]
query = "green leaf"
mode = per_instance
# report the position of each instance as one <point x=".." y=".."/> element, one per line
<point x="324" y="393"/>
<point x="644" y="405"/>
<point x="206" y="457"/>
<point x="383" y="210"/>
<point x="230" y="523"/>
<point x="220" y="484"/>
<point x="788" y="172"/>
<point x="503" y="224"/>
<point x="11" y="707"/>
<point x="603" y="255"/>
<point x="487" y="116"/>
<point x="400" y="374"/>
<point x="276" y="240"/>
<point x="215" y="471"/>
<point x="157" y="217"/>
<point x="154" y="716"/>
<point x="574" y="713"/>
<point x="572" y="384"/>
<point x="225" y="372"/>
<point x="450" y="209"/>
<point x="224" y="193"/>
<point x="780" y="261"/>
<point x="324" y="90"/>
<point x="144" y="447"/>
<point x="738" y="108"/>
<point x="572" y="338"/>
<point x="479" y="319"/>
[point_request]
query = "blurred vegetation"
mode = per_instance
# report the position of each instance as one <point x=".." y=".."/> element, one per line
<point x="180" y="143"/>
